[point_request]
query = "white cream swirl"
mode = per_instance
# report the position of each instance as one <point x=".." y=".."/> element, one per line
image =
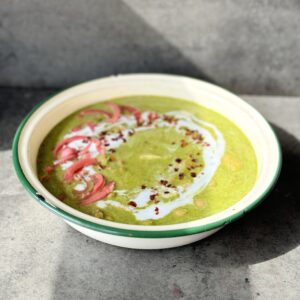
<point x="145" y="208"/>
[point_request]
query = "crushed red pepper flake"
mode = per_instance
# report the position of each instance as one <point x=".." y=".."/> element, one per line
<point x="153" y="196"/>
<point x="193" y="174"/>
<point x="163" y="182"/>
<point x="132" y="203"/>
<point x="178" y="160"/>
<point x="184" y="143"/>
<point x="143" y="187"/>
<point x="156" y="210"/>
<point x="180" y="176"/>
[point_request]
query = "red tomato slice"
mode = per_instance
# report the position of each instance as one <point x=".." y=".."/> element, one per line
<point x="67" y="141"/>
<point x="100" y="194"/>
<point x="116" y="112"/>
<point x="78" y="166"/>
<point x="92" y="111"/>
<point x="136" y="112"/>
<point x="99" y="183"/>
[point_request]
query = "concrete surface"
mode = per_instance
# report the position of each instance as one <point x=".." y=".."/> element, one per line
<point x="249" y="47"/>
<point x="257" y="257"/>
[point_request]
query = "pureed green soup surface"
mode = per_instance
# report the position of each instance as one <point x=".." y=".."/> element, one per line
<point x="147" y="160"/>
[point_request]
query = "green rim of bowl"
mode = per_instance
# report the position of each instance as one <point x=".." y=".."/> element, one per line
<point x="128" y="232"/>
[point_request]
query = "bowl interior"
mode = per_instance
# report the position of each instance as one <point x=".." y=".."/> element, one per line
<point x="244" y="116"/>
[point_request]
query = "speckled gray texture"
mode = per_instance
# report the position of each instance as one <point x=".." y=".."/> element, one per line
<point x="257" y="257"/>
<point x="247" y="46"/>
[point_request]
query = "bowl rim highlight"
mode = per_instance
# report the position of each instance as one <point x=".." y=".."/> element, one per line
<point x="141" y="231"/>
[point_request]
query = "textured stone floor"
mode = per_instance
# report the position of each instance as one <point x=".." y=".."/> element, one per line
<point x="257" y="257"/>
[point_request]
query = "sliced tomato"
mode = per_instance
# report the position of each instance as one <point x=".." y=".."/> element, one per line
<point x="67" y="151"/>
<point x="86" y="148"/>
<point x="99" y="146"/>
<point x="136" y="112"/>
<point x="116" y="112"/>
<point x="66" y="141"/>
<point x="98" y="183"/>
<point x="77" y="166"/>
<point x="63" y="160"/>
<point x="91" y="125"/>
<point x="100" y="194"/>
<point x="86" y="191"/>
<point x="93" y="111"/>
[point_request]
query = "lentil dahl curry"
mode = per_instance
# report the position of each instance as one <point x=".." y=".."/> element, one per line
<point x="147" y="160"/>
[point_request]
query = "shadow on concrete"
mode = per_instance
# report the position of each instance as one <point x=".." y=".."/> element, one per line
<point x="271" y="229"/>
<point x="91" y="40"/>
<point x="15" y="104"/>
<point x="146" y="50"/>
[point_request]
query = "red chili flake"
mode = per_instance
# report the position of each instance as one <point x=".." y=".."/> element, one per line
<point x="180" y="176"/>
<point x="163" y="182"/>
<point x="152" y="116"/>
<point x="132" y="203"/>
<point x="143" y="187"/>
<point x="61" y="197"/>
<point x="49" y="169"/>
<point x="131" y="132"/>
<point x="193" y="174"/>
<point x="76" y="128"/>
<point x="156" y="210"/>
<point x="166" y="192"/>
<point x="153" y="196"/>
<point x="106" y="145"/>
<point x="184" y="143"/>
<point x="44" y="177"/>
<point x="170" y="119"/>
<point x="194" y="160"/>
<point x="178" y="160"/>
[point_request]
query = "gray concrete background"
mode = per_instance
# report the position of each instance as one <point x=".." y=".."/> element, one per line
<point x="256" y="257"/>
<point x="247" y="46"/>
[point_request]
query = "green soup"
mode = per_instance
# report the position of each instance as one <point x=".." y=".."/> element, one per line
<point x="147" y="160"/>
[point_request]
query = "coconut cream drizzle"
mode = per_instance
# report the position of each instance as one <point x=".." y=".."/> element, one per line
<point x="145" y="208"/>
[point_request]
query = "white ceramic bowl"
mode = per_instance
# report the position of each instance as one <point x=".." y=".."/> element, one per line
<point x="45" y="116"/>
